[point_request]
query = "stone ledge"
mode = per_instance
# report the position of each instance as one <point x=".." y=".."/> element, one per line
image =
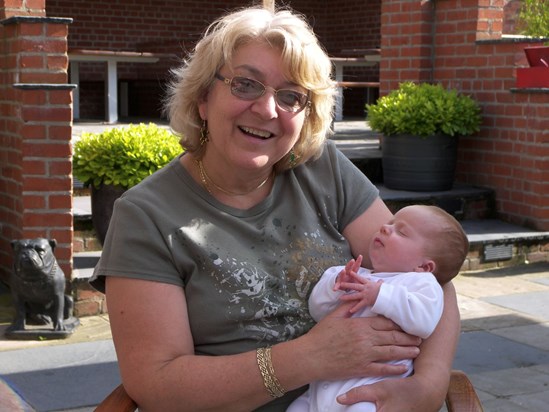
<point x="525" y="246"/>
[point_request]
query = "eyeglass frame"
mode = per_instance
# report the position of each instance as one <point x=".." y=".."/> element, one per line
<point x="229" y="82"/>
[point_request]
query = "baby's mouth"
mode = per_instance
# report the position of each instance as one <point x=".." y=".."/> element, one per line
<point x="378" y="241"/>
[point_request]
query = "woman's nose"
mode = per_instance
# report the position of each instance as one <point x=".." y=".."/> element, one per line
<point x="266" y="105"/>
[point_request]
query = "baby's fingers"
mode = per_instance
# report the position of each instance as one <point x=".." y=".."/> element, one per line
<point x="358" y="278"/>
<point x="357" y="263"/>
<point x="360" y="305"/>
<point x="350" y="286"/>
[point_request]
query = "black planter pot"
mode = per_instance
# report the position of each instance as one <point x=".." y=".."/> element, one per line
<point x="102" y="202"/>
<point x="421" y="164"/>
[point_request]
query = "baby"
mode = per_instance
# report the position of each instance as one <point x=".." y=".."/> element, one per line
<point x="420" y="249"/>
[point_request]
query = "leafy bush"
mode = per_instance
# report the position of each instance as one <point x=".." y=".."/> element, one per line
<point x="123" y="156"/>
<point x="424" y="110"/>
<point x="533" y="18"/>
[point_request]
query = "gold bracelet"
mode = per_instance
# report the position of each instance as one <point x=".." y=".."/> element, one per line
<point x="265" y="363"/>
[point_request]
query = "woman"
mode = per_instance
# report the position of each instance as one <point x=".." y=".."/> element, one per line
<point x="209" y="262"/>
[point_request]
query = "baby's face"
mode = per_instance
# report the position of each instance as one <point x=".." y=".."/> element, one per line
<point x="399" y="245"/>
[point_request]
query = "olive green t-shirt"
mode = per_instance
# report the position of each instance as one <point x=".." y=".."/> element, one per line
<point x="247" y="274"/>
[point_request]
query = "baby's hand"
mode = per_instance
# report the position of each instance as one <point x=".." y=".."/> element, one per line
<point x="346" y="275"/>
<point x="366" y="292"/>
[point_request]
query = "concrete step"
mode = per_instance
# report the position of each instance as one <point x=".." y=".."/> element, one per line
<point x="481" y="233"/>
<point x="493" y="244"/>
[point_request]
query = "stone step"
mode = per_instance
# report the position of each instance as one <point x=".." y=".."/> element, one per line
<point x="493" y="244"/>
<point x="482" y="232"/>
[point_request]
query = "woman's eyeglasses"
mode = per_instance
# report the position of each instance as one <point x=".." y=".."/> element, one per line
<point x="249" y="89"/>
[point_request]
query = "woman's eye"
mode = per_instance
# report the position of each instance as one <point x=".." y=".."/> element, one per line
<point x="245" y="84"/>
<point x="290" y="97"/>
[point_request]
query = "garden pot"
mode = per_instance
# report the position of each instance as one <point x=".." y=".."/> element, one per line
<point x="102" y="203"/>
<point x="421" y="164"/>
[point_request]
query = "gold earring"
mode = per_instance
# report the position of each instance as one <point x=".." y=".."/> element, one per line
<point x="293" y="158"/>
<point x="204" y="133"/>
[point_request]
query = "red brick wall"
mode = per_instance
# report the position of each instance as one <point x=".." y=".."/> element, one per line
<point x="510" y="13"/>
<point x="511" y="152"/>
<point x="35" y="135"/>
<point x="439" y="41"/>
<point x="169" y="26"/>
<point x="9" y="8"/>
<point x="173" y="27"/>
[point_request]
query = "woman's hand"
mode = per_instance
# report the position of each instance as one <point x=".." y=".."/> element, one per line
<point x="353" y="347"/>
<point x="395" y="395"/>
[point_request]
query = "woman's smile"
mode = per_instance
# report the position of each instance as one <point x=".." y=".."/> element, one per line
<point x="262" y="134"/>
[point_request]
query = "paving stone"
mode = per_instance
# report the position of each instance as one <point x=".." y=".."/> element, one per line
<point x="536" y="403"/>
<point x="62" y="377"/>
<point x="512" y="382"/>
<point x="543" y="281"/>
<point x="533" y="303"/>
<point x="491" y="323"/>
<point x="536" y="335"/>
<point x="504" y="405"/>
<point x="482" y="286"/>
<point x="480" y="352"/>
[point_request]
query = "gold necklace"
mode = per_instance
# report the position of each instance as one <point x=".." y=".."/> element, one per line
<point x="206" y="180"/>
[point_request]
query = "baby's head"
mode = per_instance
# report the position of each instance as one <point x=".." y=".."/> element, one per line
<point x="420" y="238"/>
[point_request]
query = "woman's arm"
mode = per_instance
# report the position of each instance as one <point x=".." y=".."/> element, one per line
<point x="154" y="346"/>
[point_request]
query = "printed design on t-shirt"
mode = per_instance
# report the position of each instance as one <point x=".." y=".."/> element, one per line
<point x="266" y="278"/>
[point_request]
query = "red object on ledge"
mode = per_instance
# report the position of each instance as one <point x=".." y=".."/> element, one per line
<point x="537" y="56"/>
<point x="528" y="77"/>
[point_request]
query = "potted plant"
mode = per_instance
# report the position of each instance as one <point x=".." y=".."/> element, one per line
<point x="533" y="21"/>
<point x="115" y="160"/>
<point x="421" y="124"/>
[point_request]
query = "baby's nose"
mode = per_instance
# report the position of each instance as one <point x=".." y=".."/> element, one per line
<point x="386" y="229"/>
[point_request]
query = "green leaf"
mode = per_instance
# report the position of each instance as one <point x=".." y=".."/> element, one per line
<point x="424" y="109"/>
<point x="123" y="156"/>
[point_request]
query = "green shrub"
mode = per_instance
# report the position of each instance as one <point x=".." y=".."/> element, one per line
<point x="123" y="156"/>
<point x="533" y="18"/>
<point x="424" y="110"/>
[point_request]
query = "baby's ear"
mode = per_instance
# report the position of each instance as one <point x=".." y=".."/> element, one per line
<point x="427" y="266"/>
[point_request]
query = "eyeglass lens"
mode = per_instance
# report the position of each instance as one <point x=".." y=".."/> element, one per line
<point x="250" y="89"/>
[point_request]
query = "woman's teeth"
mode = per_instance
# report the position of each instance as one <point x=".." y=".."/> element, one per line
<point x="255" y="132"/>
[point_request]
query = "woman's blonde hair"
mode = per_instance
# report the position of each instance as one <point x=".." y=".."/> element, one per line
<point x="307" y="63"/>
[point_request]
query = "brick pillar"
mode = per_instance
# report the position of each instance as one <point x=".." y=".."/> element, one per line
<point x="11" y="8"/>
<point x="35" y="133"/>
<point x="415" y="34"/>
<point x="490" y="18"/>
<point x="406" y="42"/>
